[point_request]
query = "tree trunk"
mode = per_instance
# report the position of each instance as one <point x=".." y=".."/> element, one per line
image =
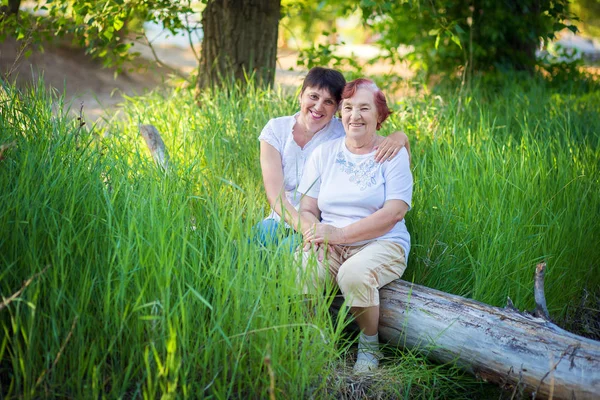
<point x="13" y="6"/>
<point x="11" y="9"/>
<point x="498" y="345"/>
<point x="521" y="47"/>
<point x="240" y="38"/>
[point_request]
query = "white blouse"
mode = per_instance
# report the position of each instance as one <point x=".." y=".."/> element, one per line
<point x="278" y="133"/>
<point x="349" y="187"/>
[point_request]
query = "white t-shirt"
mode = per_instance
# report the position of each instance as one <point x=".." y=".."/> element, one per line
<point x="278" y="133"/>
<point x="350" y="187"/>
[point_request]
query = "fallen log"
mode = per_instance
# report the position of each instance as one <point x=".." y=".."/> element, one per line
<point x="516" y="350"/>
<point x="499" y="345"/>
<point x="156" y="145"/>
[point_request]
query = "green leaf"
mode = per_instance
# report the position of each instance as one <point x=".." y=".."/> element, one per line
<point x="200" y="297"/>
<point x="558" y="26"/>
<point x="456" y="40"/>
<point x="108" y="33"/>
<point x="437" y="41"/>
<point x="118" y="24"/>
<point x="20" y="36"/>
<point x="434" y="32"/>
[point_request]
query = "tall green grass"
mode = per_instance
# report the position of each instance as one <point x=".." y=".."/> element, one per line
<point x="506" y="178"/>
<point x="153" y="287"/>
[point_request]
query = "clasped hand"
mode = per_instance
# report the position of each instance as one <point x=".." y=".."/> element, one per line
<point x="318" y="236"/>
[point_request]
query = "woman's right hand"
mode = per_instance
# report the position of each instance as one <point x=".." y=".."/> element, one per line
<point x="323" y="233"/>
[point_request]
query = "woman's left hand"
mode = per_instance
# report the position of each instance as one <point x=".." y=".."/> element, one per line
<point x="391" y="145"/>
<point x="319" y="249"/>
<point x="321" y="233"/>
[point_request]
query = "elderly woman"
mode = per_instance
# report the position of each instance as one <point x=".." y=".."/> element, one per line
<point x="287" y="142"/>
<point x="355" y="207"/>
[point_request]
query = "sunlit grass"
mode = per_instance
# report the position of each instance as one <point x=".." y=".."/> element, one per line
<point x="506" y="181"/>
<point x="155" y="288"/>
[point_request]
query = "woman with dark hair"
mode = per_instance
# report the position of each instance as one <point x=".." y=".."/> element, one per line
<point x="355" y="207"/>
<point x="287" y="142"/>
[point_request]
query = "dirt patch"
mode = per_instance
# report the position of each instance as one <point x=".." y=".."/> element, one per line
<point x="82" y="79"/>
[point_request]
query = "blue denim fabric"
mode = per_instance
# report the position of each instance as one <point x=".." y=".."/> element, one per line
<point x="273" y="234"/>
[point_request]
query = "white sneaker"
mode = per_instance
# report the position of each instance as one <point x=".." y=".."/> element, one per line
<point x="367" y="362"/>
<point x="365" y="366"/>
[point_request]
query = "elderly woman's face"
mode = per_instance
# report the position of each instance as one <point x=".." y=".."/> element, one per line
<point x="359" y="113"/>
<point x="317" y="108"/>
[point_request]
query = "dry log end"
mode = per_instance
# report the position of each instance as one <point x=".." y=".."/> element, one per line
<point x="155" y="144"/>
<point x="541" y="310"/>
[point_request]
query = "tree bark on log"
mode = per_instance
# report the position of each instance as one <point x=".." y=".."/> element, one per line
<point x="499" y="345"/>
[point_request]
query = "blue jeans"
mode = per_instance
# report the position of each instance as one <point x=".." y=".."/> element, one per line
<point x="273" y="234"/>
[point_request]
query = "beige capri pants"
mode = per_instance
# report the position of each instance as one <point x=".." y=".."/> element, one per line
<point x="358" y="270"/>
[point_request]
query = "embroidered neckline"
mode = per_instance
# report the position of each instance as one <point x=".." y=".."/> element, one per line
<point x="361" y="173"/>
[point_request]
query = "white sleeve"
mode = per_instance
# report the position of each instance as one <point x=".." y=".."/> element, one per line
<point x="310" y="184"/>
<point x="399" y="179"/>
<point x="272" y="137"/>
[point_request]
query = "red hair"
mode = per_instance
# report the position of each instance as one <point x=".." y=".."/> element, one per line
<point x="383" y="111"/>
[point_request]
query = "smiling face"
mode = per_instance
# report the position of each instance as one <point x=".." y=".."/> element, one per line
<point x="359" y="114"/>
<point x="317" y="108"/>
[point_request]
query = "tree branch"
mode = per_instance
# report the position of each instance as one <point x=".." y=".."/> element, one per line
<point x="162" y="64"/>
<point x="58" y="355"/>
<point x="6" y="302"/>
<point x="189" y="36"/>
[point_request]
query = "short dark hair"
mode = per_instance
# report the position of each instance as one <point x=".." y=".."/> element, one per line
<point x="383" y="111"/>
<point x="325" y="78"/>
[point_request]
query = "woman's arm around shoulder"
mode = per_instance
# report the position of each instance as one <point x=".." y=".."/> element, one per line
<point x="391" y="146"/>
